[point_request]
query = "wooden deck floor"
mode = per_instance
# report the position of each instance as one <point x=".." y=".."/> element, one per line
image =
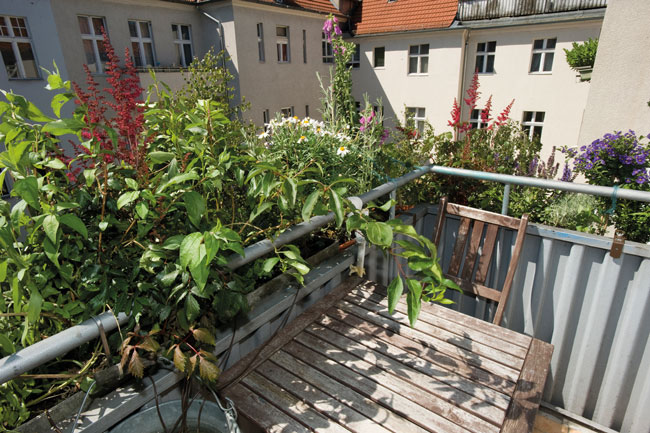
<point x="347" y="365"/>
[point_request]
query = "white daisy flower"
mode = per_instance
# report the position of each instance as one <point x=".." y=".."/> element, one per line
<point x="263" y="135"/>
<point x="342" y="151"/>
<point x="302" y="139"/>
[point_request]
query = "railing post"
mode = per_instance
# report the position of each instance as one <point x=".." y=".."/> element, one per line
<point x="506" y="199"/>
<point x="393" y="197"/>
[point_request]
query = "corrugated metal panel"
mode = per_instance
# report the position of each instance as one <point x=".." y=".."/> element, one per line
<point x="486" y="9"/>
<point x="594" y="309"/>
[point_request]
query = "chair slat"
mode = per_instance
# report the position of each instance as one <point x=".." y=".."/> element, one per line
<point x="472" y="250"/>
<point x="459" y="248"/>
<point x="486" y="254"/>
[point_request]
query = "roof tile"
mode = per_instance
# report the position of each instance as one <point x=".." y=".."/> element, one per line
<point x="381" y="16"/>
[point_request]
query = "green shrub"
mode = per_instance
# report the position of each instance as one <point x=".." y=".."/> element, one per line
<point x="583" y="54"/>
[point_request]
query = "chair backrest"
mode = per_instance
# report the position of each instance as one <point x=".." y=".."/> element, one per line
<point x="470" y="264"/>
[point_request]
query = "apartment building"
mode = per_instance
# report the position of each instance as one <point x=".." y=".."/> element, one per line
<point x="418" y="55"/>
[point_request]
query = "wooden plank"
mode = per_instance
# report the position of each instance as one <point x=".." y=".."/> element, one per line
<point x="530" y="387"/>
<point x="324" y="403"/>
<point x="432" y="342"/>
<point x="463" y="319"/>
<point x="344" y="394"/>
<point x="459" y="247"/>
<point x="472" y="251"/>
<point x="386" y="338"/>
<point x="443" y="369"/>
<point x="470" y="288"/>
<point x="458" y="404"/>
<point x="482" y="215"/>
<point x="486" y="253"/>
<point x="461" y="341"/>
<point x="294" y="407"/>
<point x="427" y="316"/>
<point x="352" y="375"/>
<point x="253" y="359"/>
<point x="259" y="412"/>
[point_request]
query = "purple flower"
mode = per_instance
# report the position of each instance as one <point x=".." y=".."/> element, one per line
<point x="566" y="173"/>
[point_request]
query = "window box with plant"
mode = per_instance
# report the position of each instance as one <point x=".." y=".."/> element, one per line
<point x="581" y="58"/>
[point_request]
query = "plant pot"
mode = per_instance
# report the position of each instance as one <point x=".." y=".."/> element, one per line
<point x="584" y="72"/>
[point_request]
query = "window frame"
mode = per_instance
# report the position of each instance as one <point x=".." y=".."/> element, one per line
<point x="374" y="57"/>
<point x="304" y="46"/>
<point x="355" y="62"/>
<point x="543" y="53"/>
<point x="261" y="55"/>
<point x="287" y="112"/>
<point x="485" y="54"/>
<point x="141" y="40"/>
<point x="280" y="41"/>
<point x="529" y="126"/>
<point x="14" y="40"/>
<point x="475" y="119"/>
<point x="179" y="42"/>
<point x="418" y="56"/>
<point x="419" y="120"/>
<point x="327" y="51"/>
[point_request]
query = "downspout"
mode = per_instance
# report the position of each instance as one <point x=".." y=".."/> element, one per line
<point x="222" y="41"/>
<point x="461" y="72"/>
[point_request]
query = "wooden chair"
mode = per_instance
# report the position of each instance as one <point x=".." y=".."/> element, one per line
<point x="467" y="273"/>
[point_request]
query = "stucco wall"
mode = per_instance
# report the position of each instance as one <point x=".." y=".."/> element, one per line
<point x="620" y="84"/>
<point x="46" y="46"/>
<point x="397" y="89"/>
<point x="559" y="94"/>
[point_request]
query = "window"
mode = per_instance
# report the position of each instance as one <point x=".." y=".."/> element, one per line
<point x="533" y="123"/>
<point x="93" y="42"/>
<point x="356" y="58"/>
<point x="183" y="41"/>
<point x="475" y="119"/>
<point x="419" y="59"/>
<point x="260" y="42"/>
<point x="306" y="110"/>
<point x="16" y="48"/>
<point x="418" y="116"/>
<point x="485" y="57"/>
<point x="266" y="118"/>
<point x="284" y="55"/>
<point x="286" y="112"/>
<point x="379" y="59"/>
<point x="543" y="53"/>
<point x="142" y="43"/>
<point x="304" y="46"/>
<point x="328" y="56"/>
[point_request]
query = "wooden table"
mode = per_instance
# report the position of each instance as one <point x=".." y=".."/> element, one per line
<point x="347" y="365"/>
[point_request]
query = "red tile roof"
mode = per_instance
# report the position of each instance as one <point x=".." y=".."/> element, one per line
<point x="380" y="16"/>
<point x="324" y="6"/>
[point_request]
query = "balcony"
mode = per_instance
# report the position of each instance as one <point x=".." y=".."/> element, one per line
<point x="470" y="10"/>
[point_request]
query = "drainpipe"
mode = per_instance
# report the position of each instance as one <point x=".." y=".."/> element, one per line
<point x="461" y="72"/>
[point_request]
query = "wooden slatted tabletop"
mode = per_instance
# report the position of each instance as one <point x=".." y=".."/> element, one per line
<point x="346" y="365"/>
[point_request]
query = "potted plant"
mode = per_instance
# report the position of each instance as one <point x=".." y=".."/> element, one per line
<point x="581" y="57"/>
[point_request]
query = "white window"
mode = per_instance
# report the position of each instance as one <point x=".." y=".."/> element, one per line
<point x="379" y="57"/>
<point x="183" y="41"/>
<point x="543" y="53"/>
<point x="265" y="117"/>
<point x="419" y="117"/>
<point x="475" y="119"/>
<point x="356" y="58"/>
<point x="142" y="43"/>
<point x="16" y="48"/>
<point x="284" y="54"/>
<point x="260" y="42"/>
<point x="286" y="112"/>
<point x="485" y="57"/>
<point x="304" y="46"/>
<point x="93" y="41"/>
<point x="328" y="55"/>
<point x="419" y="59"/>
<point x="533" y="123"/>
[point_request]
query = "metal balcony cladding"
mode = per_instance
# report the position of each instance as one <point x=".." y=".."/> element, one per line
<point x="469" y="10"/>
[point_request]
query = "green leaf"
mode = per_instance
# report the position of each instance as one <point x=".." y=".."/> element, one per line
<point x="411" y="246"/>
<point x="450" y="284"/>
<point x="7" y="345"/>
<point x="180" y="178"/>
<point x="180" y="361"/>
<point x="261" y="208"/>
<point x="75" y="223"/>
<point x="27" y="189"/>
<point x="414" y="300"/>
<point x="89" y="175"/>
<point x="386" y="206"/>
<point x="208" y="370"/>
<point x="267" y="267"/>
<point x="190" y="251"/>
<point x="64" y="126"/>
<point x="3" y="271"/>
<point x="173" y="242"/>
<point x="195" y="206"/>
<point x="56" y="164"/>
<point x="160" y="157"/>
<point x="131" y="183"/>
<point x="395" y="289"/>
<point x="379" y="233"/>
<point x="401" y="228"/>
<point x="58" y="101"/>
<point x="126" y="198"/>
<point x="142" y="210"/>
<point x="34" y="113"/>
<point x="204" y="336"/>
<point x="51" y="227"/>
<point x="51" y="251"/>
<point x="308" y="207"/>
<point x="336" y="206"/>
<point x="103" y="225"/>
<point x="302" y="268"/>
<point x="192" y="308"/>
<point x="54" y="82"/>
<point x="419" y="264"/>
<point x="200" y="271"/>
<point x="34" y="307"/>
<point x="354" y="222"/>
<point x="290" y="189"/>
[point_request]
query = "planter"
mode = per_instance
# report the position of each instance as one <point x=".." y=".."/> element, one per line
<point x="584" y="72"/>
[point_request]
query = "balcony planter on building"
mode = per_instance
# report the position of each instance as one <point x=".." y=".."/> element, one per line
<point x="584" y="72"/>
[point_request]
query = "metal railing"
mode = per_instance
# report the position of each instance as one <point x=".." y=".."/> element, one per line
<point x="483" y="9"/>
<point x="57" y="345"/>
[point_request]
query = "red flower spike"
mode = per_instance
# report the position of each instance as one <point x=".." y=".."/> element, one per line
<point x="485" y="114"/>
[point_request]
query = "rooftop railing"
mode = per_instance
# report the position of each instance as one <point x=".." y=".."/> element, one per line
<point x="469" y="10"/>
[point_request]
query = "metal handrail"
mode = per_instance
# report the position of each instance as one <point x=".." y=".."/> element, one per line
<point x="59" y="344"/>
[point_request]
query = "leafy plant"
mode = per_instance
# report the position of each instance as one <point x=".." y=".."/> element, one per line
<point x="582" y="54"/>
